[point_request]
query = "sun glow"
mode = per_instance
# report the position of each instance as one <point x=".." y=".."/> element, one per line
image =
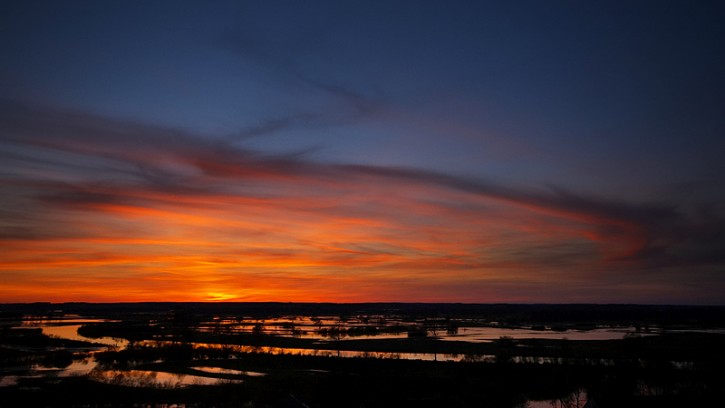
<point x="219" y="297"/>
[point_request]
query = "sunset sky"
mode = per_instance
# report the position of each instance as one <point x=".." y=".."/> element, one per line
<point x="362" y="151"/>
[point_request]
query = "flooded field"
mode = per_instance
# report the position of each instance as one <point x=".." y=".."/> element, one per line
<point x="380" y="328"/>
<point x="149" y="378"/>
<point x="179" y="350"/>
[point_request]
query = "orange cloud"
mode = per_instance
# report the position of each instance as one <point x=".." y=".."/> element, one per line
<point x="161" y="215"/>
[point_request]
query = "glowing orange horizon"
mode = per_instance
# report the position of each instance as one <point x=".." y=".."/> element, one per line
<point x="170" y="217"/>
<point x="216" y="248"/>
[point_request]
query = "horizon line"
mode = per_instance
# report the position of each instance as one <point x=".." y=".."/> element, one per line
<point x="360" y="303"/>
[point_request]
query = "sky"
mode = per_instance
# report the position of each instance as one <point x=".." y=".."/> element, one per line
<point x="362" y="151"/>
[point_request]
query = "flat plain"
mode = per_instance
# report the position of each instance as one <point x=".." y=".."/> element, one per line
<point x="359" y="355"/>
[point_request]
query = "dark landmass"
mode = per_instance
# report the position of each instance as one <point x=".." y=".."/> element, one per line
<point x="587" y="314"/>
<point x="673" y="357"/>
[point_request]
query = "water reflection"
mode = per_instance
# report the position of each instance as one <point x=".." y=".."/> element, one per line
<point x="154" y="379"/>
<point x="8" y="380"/>
<point x="228" y="371"/>
<point x="242" y="349"/>
<point x="381" y="327"/>
<point x="68" y="329"/>
<point x="577" y="399"/>
<point x="11" y="376"/>
<point x="489" y="334"/>
<point x="84" y="363"/>
<point x="470" y="334"/>
<point x="79" y="367"/>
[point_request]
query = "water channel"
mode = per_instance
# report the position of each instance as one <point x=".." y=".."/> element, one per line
<point x="84" y="362"/>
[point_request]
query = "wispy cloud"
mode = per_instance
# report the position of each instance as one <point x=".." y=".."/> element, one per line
<point x="279" y="57"/>
<point x="86" y="197"/>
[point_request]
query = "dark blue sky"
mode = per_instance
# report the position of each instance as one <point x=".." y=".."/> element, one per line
<point x="615" y="103"/>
